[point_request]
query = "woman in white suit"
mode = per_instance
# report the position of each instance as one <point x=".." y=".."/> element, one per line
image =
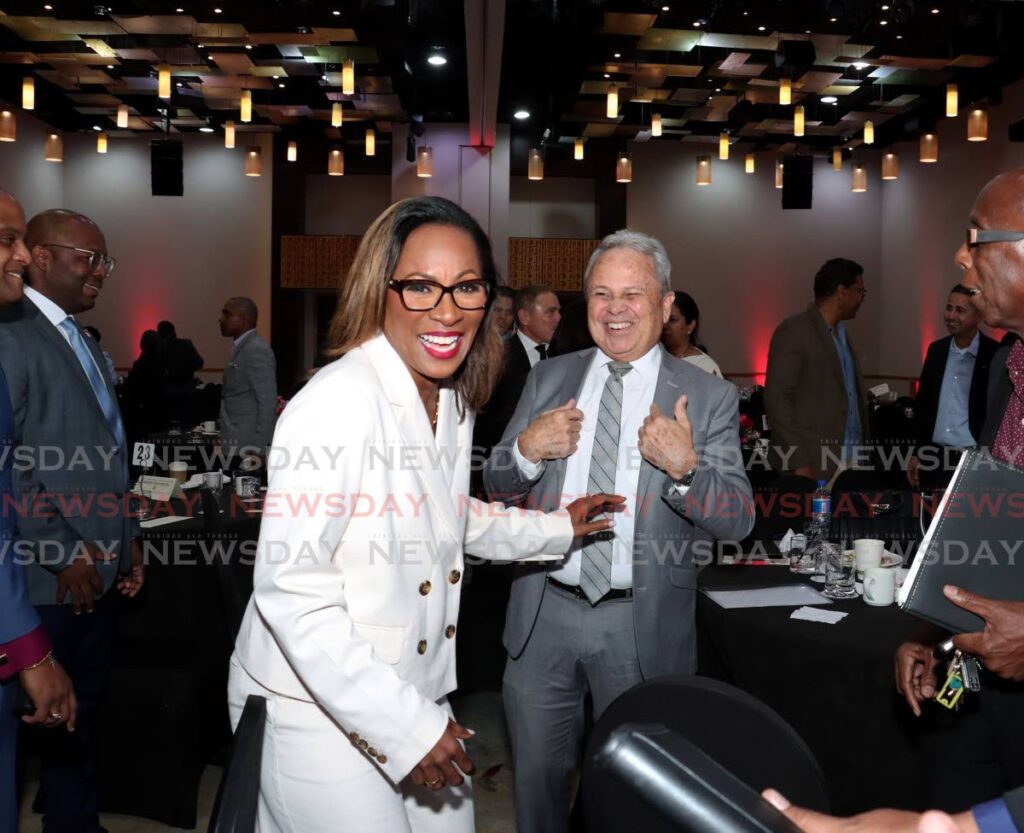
<point x="349" y="634"/>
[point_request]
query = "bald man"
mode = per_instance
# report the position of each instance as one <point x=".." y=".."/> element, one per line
<point x="248" y="404"/>
<point x="62" y="399"/>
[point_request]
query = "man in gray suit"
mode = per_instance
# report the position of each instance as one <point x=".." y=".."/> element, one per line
<point x="71" y="491"/>
<point x="624" y="417"/>
<point x="248" y="398"/>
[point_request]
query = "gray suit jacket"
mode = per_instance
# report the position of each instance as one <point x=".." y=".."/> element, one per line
<point x="805" y="394"/>
<point x="69" y="464"/>
<point x="670" y="531"/>
<point x="248" y="398"/>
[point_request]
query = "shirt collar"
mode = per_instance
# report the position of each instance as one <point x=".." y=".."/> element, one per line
<point x="528" y="343"/>
<point x="971" y="348"/>
<point x="648" y="366"/>
<point x="54" y="314"/>
<point x="244" y="335"/>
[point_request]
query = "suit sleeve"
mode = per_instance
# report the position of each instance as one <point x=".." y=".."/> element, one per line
<point x="263" y="379"/>
<point x="22" y="640"/>
<point x="500" y="533"/>
<point x="503" y="479"/>
<point x="926" y="400"/>
<point x="299" y="590"/>
<point x="719" y="499"/>
<point x="781" y="387"/>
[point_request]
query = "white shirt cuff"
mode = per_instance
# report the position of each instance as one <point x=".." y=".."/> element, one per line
<point x="679" y="489"/>
<point x="529" y="470"/>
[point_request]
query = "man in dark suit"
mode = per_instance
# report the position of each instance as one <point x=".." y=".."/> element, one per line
<point x="25" y="655"/>
<point x="623" y="417"/>
<point x="79" y="541"/>
<point x="180" y="361"/>
<point x="813" y="391"/>
<point x="950" y="406"/>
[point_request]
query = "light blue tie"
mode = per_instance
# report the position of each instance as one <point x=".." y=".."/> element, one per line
<point x="92" y="373"/>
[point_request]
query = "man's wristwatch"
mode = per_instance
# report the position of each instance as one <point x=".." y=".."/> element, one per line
<point x="685" y="481"/>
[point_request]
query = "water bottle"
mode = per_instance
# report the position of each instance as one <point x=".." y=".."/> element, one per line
<point x="817" y="529"/>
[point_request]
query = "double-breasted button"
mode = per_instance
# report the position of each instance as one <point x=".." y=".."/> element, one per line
<point x="425" y="588"/>
<point x="449" y="632"/>
<point x="355" y="737"/>
<point x="371" y="752"/>
<point x="422" y="647"/>
<point x="454" y="576"/>
<point x="382" y="759"/>
<point x="363" y="744"/>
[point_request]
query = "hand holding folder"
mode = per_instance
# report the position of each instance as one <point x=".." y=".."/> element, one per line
<point x="1000" y="646"/>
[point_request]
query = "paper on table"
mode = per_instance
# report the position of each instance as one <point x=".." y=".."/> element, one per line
<point x="814" y="614"/>
<point x="169" y="519"/>
<point x="783" y="596"/>
<point x="787" y="539"/>
<point x="197" y="480"/>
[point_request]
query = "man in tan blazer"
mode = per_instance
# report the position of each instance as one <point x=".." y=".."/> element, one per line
<point x="814" y="394"/>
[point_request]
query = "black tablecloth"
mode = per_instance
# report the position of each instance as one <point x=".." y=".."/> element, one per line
<point x="833" y="683"/>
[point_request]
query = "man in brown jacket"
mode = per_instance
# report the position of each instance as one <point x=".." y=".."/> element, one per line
<point x="814" y="394"/>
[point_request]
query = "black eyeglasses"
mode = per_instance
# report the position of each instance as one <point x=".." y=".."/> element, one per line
<point x="96" y="259"/>
<point x="977" y="236"/>
<point x="421" y="295"/>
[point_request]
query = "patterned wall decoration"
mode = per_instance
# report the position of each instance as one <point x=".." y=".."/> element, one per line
<point x="558" y="263"/>
<point x="316" y="262"/>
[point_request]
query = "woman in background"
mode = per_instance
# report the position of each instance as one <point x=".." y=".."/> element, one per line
<point x="349" y="634"/>
<point x="680" y="335"/>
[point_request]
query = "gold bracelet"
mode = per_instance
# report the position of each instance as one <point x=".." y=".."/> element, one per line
<point x="48" y="658"/>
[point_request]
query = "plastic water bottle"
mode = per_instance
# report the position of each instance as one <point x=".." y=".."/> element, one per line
<point x="817" y="529"/>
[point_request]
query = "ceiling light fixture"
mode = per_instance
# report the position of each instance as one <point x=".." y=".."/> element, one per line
<point x="833" y="19"/>
<point x="617" y="55"/>
<point x="723" y="146"/>
<point x="248" y="46"/>
<point x="336" y="13"/>
<point x="218" y="11"/>
<point x="880" y="23"/>
<point x="245" y="107"/>
<point x="890" y="166"/>
<point x="53" y="150"/>
<point x="28" y="94"/>
<point x="829" y="99"/>
<point x="437" y="60"/>
<point x="869" y="132"/>
<point x="281" y="85"/>
<point x="336" y="114"/>
<point x="885" y="8"/>
<point x="229" y="134"/>
<point x="624" y="169"/>
<point x="206" y="129"/>
<point x="293" y="152"/>
<point x="977" y="125"/>
<point x="748" y="164"/>
<point x="348" y="77"/>
<point x="704" y="169"/>
<point x="425" y="162"/>
<point x="656" y="125"/>
<point x="778" y="173"/>
<point x="859" y="179"/>
<point x="952" y="101"/>
<point x="785" y="91"/>
<point x="606" y="75"/>
<point x="8" y="126"/>
<point x="122" y="116"/>
<point x="935" y="11"/>
<point x="335" y="162"/>
<point x="665" y="8"/>
<point x="929" y="148"/>
<point x="179" y="11"/>
<point x="48" y="7"/>
<point x="860" y="65"/>
<point x="696" y="24"/>
<point x="371" y="142"/>
<point x="760" y="28"/>
<point x="521" y="115"/>
<point x="612" y="105"/>
<point x="837" y="159"/>
<point x="163" y="81"/>
<point x="577" y="151"/>
<point x="535" y="166"/>
<point x="253" y="161"/>
<point x="798" y="120"/>
<point x="110" y="66"/>
<point x="101" y="142"/>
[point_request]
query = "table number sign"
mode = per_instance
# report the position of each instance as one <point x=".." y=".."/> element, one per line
<point x="143" y="455"/>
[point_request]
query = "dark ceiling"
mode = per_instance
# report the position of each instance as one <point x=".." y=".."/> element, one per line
<point x="704" y="67"/>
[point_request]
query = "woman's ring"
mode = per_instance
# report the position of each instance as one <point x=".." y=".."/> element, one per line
<point x="433" y="783"/>
<point x="56" y="716"/>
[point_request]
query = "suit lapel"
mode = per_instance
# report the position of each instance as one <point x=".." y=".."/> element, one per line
<point x="571" y="387"/>
<point x="667" y="390"/>
<point x="828" y="344"/>
<point x="414" y="427"/>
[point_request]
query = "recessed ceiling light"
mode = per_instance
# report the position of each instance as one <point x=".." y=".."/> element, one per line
<point x="97" y="127"/>
<point x="206" y="129"/>
<point x="883" y="22"/>
<point x="617" y="55"/>
<point x="885" y="8"/>
<point x="110" y="66"/>
<point x="807" y="31"/>
<point x="829" y="99"/>
<point x="522" y="115"/>
<point x="606" y="75"/>
<point x="437" y="60"/>
<point x="281" y="85"/>
<point x="179" y="11"/>
<point x="760" y="28"/>
<point x="217" y="11"/>
<point x="178" y="84"/>
<point x="696" y="24"/>
<point x="935" y="11"/>
<point x="664" y="8"/>
<point x="48" y="7"/>
<point x="859" y="65"/>
<point x="718" y="89"/>
<point x="899" y="37"/>
<point x="745" y="14"/>
<point x="336" y="13"/>
<point x="200" y="46"/>
<point x="833" y="19"/>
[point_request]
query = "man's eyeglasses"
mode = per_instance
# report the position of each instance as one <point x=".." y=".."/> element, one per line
<point x="977" y="236"/>
<point x="96" y="259"/>
<point x="421" y="295"/>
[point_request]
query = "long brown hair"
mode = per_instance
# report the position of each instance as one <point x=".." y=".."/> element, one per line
<point x="362" y="299"/>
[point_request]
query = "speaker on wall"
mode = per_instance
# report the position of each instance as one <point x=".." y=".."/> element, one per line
<point x="166" y="168"/>
<point x="797" y="181"/>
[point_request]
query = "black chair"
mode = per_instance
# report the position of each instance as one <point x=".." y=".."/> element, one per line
<point x="735" y="729"/>
<point x="234" y="810"/>
<point x="783" y="504"/>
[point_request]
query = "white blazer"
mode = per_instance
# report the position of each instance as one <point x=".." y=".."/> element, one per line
<point x="360" y="558"/>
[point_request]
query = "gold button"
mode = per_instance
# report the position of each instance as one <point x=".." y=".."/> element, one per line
<point x="454" y="576"/>
<point x="449" y="632"/>
<point x="371" y="752"/>
<point x="363" y="744"/>
<point x="425" y="588"/>
<point x="354" y="737"/>
<point x="382" y="759"/>
<point x="422" y="647"/>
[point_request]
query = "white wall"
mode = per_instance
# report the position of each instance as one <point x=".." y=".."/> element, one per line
<point x="344" y="204"/>
<point x="748" y="263"/>
<point x="553" y="207"/>
<point x="178" y="258"/>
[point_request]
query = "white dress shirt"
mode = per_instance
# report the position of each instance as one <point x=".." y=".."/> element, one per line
<point x="638" y="387"/>
<point x="55" y="315"/>
<point x="531" y="347"/>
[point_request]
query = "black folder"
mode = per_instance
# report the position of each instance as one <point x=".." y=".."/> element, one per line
<point x="975" y="541"/>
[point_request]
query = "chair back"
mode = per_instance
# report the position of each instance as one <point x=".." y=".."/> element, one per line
<point x="234" y="811"/>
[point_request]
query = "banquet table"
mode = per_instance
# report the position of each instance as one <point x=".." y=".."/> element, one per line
<point x="833" y="683"/>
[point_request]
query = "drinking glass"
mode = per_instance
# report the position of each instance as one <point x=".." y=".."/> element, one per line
<point x="839" y="572"/>
<point x="212" y="480"/>
<point x="800" y="561"/>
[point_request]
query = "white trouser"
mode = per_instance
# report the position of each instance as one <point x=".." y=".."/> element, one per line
<point x="313" y="779"/>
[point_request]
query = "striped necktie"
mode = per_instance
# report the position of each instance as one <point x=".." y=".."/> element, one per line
<point x="92" y="373"/>
<point x="596" y="563"/>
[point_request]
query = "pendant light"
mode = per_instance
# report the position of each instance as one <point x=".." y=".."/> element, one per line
<point x="28" y="94"/>
<point x="785" y="91"/>
<point x="748" y="164"/>
<point x="778" y="173"/>
<point x="869" y="132"/>
<point x="336" y="162"/>
<point x="535" y="167"/>
<point x="977" y="125"/>
<point x="624" y="169"/>
<point x="929" y="149"/>
<point x="577" y="152"/>
<point x="53" y="150"/>
<point x="8" y="126"/>
<point x="837" y="159"/>
<point x="890" y="166"/>
<point x="656" y="125"/>
<point x="122" y="116"/>
<point x="336" y="116"/>
<point x="163" y="81"/>
<point x="859" y="179"/>
<point x="612" y="104"/>
<point x="798" y="120"/>
<point x="245" y="107"/>
<point x="371" y="142"/>
<point x="253" y="161"/>
<point x="348" y="77"/>
<point x="101" y="142"/>
<point x="952" y="101"/>
<point x="229" y="134"/>
<point x="425" y="162"/>
<point x="723" y="146"/>
<point x="704" y="169"/>
<point x="293" y="151"/>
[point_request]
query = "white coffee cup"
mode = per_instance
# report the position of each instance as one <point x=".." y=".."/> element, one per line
<point x="210" y="426"/>
<point x="868" y="552"/>
<point x="178" y="470"/>
<point x="879" y="586"/>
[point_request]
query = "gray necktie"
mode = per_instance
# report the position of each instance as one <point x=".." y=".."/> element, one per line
<point x="596" y="563"/>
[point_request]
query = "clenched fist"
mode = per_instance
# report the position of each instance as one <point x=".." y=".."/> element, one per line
<point x="553" y="435"/>
<point x="667" y="442"/>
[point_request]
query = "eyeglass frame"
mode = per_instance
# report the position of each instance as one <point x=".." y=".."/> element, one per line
<point x="978" y="236"/>
<point x="104" y="260"/>
<point x="399" y="287"/>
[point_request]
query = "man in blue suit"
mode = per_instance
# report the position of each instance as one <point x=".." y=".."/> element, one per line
<point x="25" y="655"/>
